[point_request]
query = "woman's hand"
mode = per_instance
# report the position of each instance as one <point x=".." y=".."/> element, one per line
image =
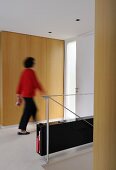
<point x="19" y="100"/>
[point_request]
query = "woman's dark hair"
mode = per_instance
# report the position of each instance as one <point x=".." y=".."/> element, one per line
<point x="29" y="62"/>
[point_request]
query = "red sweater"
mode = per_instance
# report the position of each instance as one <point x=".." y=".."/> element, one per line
<point x="28" y="84"/>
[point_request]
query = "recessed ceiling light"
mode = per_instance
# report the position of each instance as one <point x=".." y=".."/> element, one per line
<point x="77" y="19"/>
<point x="49" y="32"/>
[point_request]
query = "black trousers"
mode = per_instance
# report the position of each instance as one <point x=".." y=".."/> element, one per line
<point x="30" y="109"/>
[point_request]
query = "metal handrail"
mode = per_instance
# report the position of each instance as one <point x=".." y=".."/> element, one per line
<point x="70" y="111"/>
<point x="47" y="97"/>
<point x="56" y="95"/>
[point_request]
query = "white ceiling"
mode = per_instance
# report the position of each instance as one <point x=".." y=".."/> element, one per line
<point x="38" y="17"/>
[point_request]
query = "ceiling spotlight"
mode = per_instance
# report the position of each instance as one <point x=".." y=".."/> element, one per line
<point x="77" y="19"/>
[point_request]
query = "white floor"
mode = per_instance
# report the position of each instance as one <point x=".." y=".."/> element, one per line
<point x="19" y="153"/>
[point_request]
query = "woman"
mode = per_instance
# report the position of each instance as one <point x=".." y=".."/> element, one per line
<point x="26" y="89"/>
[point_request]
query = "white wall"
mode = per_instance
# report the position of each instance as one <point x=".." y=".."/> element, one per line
<point x="84" y="74"/>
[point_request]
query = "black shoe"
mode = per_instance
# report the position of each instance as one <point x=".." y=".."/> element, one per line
<point x="23" y="133"/>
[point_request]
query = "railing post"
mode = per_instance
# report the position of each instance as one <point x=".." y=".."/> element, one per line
<point x="47" y="127"/>
<point x="47" y="118"/>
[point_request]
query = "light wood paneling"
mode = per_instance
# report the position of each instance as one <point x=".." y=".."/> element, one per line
<point x="15" y="48"/>
<point x="55" y="62"/>
<point x="0" y="79"/>
<point x="14" y="51"/>
<point x="105" y="86"/>
<point x="38" y="51"/>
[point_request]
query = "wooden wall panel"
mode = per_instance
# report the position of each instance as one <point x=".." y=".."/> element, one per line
<point x="38" y="51"/>
<point x="105" y="86"/>
<point x="55" y="62"/>
<point x="15" y="48"/>
<point x="14" y="51"/>
<point x="0" y="80"/>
